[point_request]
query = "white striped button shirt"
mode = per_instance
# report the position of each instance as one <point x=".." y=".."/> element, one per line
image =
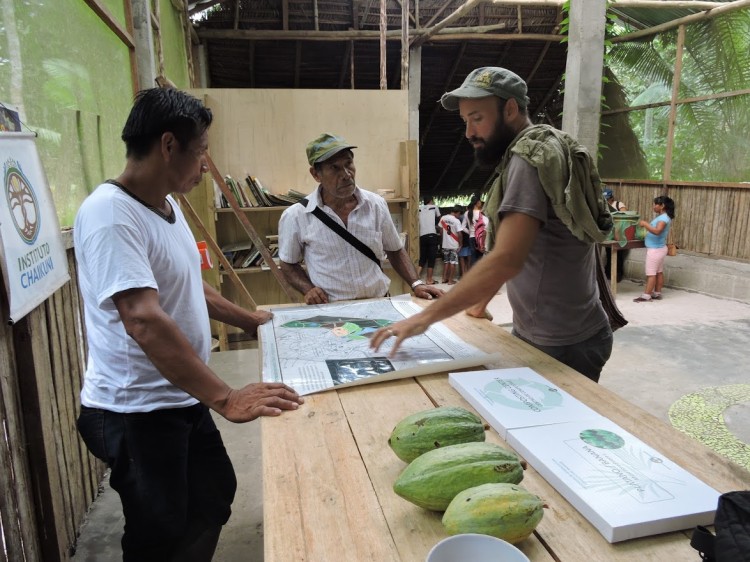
<point x="333" y="264"/>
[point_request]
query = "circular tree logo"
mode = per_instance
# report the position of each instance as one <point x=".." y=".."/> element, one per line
<point x="602" y="439"/>
<point x="22" y="202"/>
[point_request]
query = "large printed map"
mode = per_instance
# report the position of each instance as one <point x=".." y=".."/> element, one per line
<point x="315" y="348"/>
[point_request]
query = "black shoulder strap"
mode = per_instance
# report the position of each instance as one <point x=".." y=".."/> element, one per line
<point x="344" y="233"/>
<point x="703" y="541"/>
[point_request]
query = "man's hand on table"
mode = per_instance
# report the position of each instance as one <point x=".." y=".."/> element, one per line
<point x="257" y="318"/>
<point x="316" y="295"/>
<point x="479" y="311"/>
<point x="428" y="292"/>
<point x="412" y="326"/>
<point x="259" y="399"/>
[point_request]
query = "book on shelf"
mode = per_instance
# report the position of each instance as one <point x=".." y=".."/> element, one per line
<point x="232" y="185"/>
<point x="295" y="195"/>
<point x="257" y="192"/>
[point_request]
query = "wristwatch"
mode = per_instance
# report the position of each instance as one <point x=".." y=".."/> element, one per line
<point x="416" y="284"/>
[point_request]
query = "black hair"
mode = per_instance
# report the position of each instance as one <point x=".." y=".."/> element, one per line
<point x="668" y="205"/>
<point x="159" y="110"/>
<point x="470" y="208"/>
<point x="456" y="209"/>
<point x="426" y="199"/>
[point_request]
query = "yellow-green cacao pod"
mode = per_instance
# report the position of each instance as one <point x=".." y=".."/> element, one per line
<point x="434" y="428"/>
<point x="432" y="480"/>
<point x="505" y="511"/>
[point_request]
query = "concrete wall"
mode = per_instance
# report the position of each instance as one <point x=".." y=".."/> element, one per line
<point x="695" y="272"/>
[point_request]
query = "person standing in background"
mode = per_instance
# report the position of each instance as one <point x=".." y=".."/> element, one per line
<point x="452" y="238"/>
<point x="656" y="247"/>
<point x="468" y="254"/>
<point x="429" y="217"/>
<point x="614" y="207"/>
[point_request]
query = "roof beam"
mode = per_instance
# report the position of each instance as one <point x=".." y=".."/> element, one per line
<point x="655" y="4"/>
<point x="451" y="34"/>
<point x="467" y="7"/>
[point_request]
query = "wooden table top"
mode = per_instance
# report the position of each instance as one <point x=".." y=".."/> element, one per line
<point x="328" y="471"/>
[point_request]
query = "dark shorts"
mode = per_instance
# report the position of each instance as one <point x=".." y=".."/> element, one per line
<point x="587" y="357"/>
<point x="171" y="470"/>
<point x="428" y="245"/>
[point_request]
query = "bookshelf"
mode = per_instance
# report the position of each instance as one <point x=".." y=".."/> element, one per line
<point x="263" y="134"/>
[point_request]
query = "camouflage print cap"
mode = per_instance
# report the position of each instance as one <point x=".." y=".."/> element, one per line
<point x="488" y="81"/>
<point x="324" y="147"/>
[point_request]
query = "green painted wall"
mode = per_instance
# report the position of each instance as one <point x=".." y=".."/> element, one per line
<point x="69" y="75"/>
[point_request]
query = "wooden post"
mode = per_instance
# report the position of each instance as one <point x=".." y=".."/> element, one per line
<point x="404" y="44"/>
<point x="383" y="29"/>
<point x="673" y="105"/>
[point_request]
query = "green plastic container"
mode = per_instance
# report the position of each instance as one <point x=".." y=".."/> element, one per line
<point x="626" y="227"/>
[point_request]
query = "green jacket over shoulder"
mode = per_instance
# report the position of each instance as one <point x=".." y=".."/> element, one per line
<point x="568" y="176"/>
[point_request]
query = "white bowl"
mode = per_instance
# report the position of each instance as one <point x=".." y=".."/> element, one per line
<point x="472" y="547"/>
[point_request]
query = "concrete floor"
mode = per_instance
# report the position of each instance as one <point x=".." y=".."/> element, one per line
<point x="684" y="348"/>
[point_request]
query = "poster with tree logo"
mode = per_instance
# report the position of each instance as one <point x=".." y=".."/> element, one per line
<point x="34" y="263"/>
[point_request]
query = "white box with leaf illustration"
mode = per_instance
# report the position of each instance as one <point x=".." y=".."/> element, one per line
<point x="623" y="487"/>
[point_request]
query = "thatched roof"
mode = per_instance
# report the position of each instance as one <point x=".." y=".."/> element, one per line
<point x="308" y="44"/>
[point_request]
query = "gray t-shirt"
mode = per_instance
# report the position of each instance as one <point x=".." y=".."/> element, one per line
<point x="555" y="298"/>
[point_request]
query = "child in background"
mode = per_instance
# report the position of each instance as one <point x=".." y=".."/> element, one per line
<point x="451" y="243"/>
<point x="656" y="247"/>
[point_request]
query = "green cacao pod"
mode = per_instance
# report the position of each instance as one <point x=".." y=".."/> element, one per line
<point x="505" y="511"/>
<point x="432" y="480"/>
<point x="437" y="427"/>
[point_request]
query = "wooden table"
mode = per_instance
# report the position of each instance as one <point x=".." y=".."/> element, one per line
<point x="614" y="245"/>
<point x="328" y="471"/>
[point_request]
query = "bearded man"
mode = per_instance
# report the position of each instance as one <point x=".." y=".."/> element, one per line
<point x="546" y="214"/>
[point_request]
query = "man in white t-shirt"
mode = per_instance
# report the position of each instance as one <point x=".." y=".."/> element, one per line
<point x="451" y="227"/>
<point x="147" y="388"/>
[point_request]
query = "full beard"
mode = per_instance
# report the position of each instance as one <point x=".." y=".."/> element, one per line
<point x="491" y="151"/>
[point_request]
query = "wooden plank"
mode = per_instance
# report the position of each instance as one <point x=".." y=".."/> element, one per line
<point x="100" y="10"/>
<point x="20" y="534"/>
<point x="59" y="375"/>
<point x="40" y="413"/>
<point x="323" y="504"/>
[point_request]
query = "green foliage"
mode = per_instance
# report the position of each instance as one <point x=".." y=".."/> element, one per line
<point x="710" y="139"/>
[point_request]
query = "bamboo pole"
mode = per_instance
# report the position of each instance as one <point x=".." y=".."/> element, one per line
<point x="383" y="30"/>
<point x="640" y="4"/>
<point x="404" y="44"/>
<point x="451" y="34"/>
<point x="707" y="97"/>
<point x="467" y="7"/>
<point x="673" y="105"/>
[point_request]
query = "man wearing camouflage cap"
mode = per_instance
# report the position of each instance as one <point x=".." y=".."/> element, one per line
<point x="547" y="213"/>
<point x="342" y="232"/>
